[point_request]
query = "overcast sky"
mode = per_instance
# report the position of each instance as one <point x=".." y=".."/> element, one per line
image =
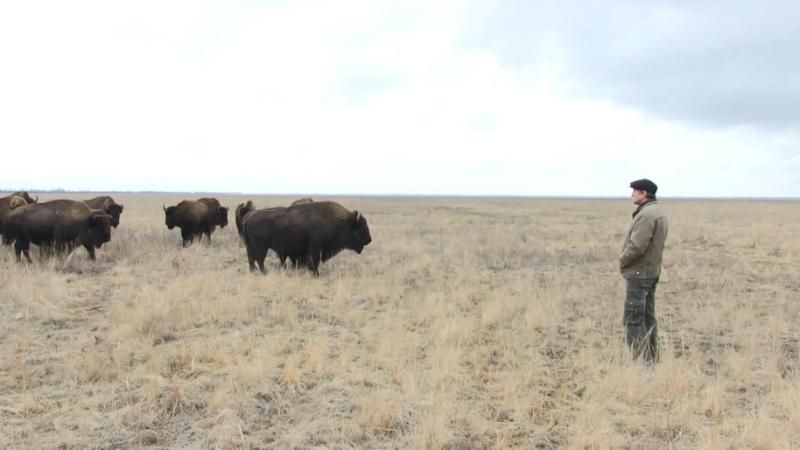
<point x="402" y="97"/>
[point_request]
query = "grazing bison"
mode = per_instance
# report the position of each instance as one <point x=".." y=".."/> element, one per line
<point x="242" y="210"/>
<point x="190" y="216"/>
<point x="302" y="201"/>
<point x="314" y="231"/>
<point x="217" y="216"/>
<point x="108" y="205"/>
<point x="58" y="226"/>
<point x="6" y="205"/>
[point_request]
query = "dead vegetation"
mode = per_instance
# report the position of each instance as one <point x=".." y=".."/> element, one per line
<point x="467" y="323"/>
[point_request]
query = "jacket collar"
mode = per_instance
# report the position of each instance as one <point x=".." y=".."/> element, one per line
<point x="642" y="206"/>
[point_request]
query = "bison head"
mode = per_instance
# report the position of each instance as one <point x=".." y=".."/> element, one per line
<point x="99" y="229"/>
<point x="222" y="216"/>
<point x="170" y="220"/>
<point x="359" y="233"/>
<point x="27" y="197"/>
<point x="16" y="201"/>
<point x="114" y="211"/>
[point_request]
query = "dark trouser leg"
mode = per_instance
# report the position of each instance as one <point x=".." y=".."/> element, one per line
<point x="639" y="317"/>
<point x="650" y="320"/>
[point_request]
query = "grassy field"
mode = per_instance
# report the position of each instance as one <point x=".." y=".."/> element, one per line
<point x="466" y="324"/>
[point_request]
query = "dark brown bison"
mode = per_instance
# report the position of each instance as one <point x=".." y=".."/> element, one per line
<point x="217" y="215"/>
<point x="302" y="201"/>
<point x="108" y="205"/>
<point x="190" y="216"/>
<point x="243" y="213"/>
<point x="315" y="232"/>
<point x="58" y="226"/>
<point x="6" y="205"/>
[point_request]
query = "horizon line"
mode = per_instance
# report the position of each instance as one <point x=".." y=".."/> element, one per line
<point x="412" y="195"/>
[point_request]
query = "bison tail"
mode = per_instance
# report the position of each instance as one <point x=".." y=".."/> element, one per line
<point x="248" y="242"/>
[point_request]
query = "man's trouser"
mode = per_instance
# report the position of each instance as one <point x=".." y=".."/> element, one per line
<point x="641" y="329"/>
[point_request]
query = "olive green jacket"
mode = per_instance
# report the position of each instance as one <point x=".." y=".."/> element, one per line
<point x="644" y="244"/>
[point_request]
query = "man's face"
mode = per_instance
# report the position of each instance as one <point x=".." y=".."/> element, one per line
<point x="638" y="196"/>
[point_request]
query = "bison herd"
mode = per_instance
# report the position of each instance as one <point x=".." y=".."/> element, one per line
<point x="306" y="232"/>
<point x="57" y="226"/>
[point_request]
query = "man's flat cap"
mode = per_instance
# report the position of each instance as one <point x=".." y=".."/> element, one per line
<point x="644" y="185"/>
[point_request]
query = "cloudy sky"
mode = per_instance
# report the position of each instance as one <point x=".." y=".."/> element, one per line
<point x="402" y="97"/>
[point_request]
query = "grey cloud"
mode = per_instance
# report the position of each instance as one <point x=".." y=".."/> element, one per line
<point x="713" y="63"/>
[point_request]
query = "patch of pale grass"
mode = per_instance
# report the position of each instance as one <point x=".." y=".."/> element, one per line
<point x="317" y="355"/>
<point x="384" y="411"/>
<point x="292" y="372"/>
<point x="432" y="429"/>
<point x="498" y="310"/>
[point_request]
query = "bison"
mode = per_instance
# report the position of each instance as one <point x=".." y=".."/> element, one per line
<point x="302" y="201"/>
<point x="314" y="232"/>
<point x="108" y="205"/>
<point x="6" y="205"/>
<point x="243" y="213"/>
<point x="58" y="226"/>
<point x="217" y="216"/>
<point x="190" y="216"/>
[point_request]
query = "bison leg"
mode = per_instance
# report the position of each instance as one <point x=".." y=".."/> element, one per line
<point x="90" y="249"/>
<point x="198" y="233"/>
<point x="282" y="258"/>
<point x="256" y="253"/>
<point x="204" y="229"/>
<point x="49" y="250"/>
<point x="22" y="246"/>
<point x="251" y="258"/>
<point x="314" y="256"/>
<point x="186" y="237"/>
<point x="60" y="249"/>
<point x="260" y="255"/>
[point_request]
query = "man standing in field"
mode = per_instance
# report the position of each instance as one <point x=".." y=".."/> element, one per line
<point x="640" y="265"/>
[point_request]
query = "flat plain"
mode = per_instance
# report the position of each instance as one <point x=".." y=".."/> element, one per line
<point x="468" y="323"/>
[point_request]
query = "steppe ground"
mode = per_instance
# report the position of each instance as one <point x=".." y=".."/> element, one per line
<point x="467" y="323"/>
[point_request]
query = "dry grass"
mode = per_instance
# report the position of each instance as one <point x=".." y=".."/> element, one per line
<point x="467" y="323"/>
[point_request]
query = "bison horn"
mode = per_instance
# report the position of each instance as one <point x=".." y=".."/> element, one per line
<point x="165" y="207"/>
<point x="37" y="199"/>
<point x="357" y="215"/>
